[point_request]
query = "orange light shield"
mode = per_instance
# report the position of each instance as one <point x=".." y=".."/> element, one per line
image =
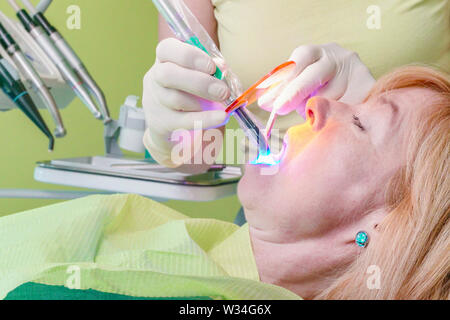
<point x="269" y="82"/>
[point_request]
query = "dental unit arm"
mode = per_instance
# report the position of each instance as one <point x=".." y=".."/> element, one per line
<point x="27" y="70"/>
<point x="47" y="71"/>
<point x="47" y="65"/>
<point x="71" y="57"/>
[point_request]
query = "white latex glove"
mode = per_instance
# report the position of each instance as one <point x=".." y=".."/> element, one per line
<point x="179" y="91"/>
<point x="326" y="70"/>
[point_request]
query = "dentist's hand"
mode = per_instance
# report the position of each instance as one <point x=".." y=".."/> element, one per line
<point x="324" y="70"/>
<point x="179" y="92"/>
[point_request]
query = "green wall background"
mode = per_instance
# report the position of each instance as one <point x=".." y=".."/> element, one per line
<point x="117" y="42"/>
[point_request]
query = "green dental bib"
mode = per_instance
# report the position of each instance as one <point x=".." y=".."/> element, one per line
<point x="129" y="245"/>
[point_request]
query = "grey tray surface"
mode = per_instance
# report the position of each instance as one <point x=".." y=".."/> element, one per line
<point x="143" y="170"/>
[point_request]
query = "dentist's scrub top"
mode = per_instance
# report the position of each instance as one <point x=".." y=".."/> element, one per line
<point x="257" y="35"/>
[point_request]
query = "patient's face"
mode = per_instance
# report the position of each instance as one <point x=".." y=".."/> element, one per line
<point x="335" y="167"/>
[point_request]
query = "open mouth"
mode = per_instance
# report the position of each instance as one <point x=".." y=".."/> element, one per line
<point x="270" y="159"/>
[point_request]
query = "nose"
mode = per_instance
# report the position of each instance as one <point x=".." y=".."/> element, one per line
<point x="317" y="112"/>
<point x="320" y="110"/>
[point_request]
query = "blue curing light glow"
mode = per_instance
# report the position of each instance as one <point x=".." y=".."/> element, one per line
<point x="270" y="159"/>
<point x="266" y="159"/>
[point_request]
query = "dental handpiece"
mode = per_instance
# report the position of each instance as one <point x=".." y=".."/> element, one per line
<point x="30" y="74"/>
<point x="12" y="86"/>
<point x="72" y="58"/>
<point x="184" y="33"/>
<point x="84" y="74"/>
<point x="53" y="53"/>
<point x="43" y="5"/>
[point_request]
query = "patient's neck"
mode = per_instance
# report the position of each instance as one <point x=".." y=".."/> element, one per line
<point x="305" y="266"/>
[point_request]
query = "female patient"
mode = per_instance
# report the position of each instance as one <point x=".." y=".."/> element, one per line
<point x="381" y="167"/>
<point x="357" y="209"/>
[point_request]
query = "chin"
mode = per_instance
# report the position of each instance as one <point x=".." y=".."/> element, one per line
<point x="255" y="186"/>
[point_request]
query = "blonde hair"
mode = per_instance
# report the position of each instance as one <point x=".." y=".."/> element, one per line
<point x="412" y="249"/>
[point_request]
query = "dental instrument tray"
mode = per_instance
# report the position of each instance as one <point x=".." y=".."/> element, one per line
<point x="144" y="177"/>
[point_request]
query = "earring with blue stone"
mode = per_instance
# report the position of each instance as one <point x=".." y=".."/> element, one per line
<point x="362" y="239"/>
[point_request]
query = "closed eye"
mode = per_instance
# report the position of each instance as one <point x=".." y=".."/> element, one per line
<point x="357" y="123"/>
